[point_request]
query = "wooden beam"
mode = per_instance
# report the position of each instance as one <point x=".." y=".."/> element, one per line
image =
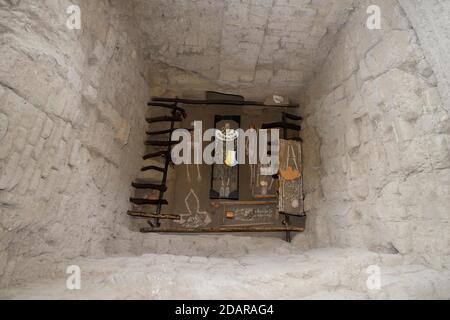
<point x="139" y="214"/>
<point x="156" y="155"/>
<point x="281" y="125"/>
<point x="292" y="116"/>
<point x="223" y="102"/>
<point x="139" y="201"/>
<point x="166" y="131"/>
<point x="169" y="106"/>
<point x="150" y="186"/>
<point x="159" y="143"/>
<point x="217" y="204"/>
<point x="164" y="119"/>
<point x="222" y="230"/>
<point x="150" y="168"/>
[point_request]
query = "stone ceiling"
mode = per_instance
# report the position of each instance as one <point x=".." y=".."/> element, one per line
<point x="256" y="47"/>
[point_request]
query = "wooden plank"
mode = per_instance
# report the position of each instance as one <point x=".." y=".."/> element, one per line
<point x="265" y="197"/>
<point x="292" y="116"/>
<point x="169" y="106"/>
<point x="164" y="119"/>
<point x="223" y="102"/>
<point x="160" y="132"/>
<point x="139" y="201"/>
<point x="298" y="215"/>
<point x="281" y="125"/>
<point x="156" y="155"/>
<point x="218" y="204"/>
<point x="159" y="143"/>
<point x="223" y="230"/>
<point x="150" y="168"/>
<point x="146" y="215"/>
<point x="150" y="186"/>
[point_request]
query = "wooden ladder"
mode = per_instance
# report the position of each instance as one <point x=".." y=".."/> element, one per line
<point x="177" y="115"/>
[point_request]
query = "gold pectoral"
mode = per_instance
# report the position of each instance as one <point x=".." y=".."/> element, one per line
<point x="290" y="174"/>
<point x="231" y="159"/>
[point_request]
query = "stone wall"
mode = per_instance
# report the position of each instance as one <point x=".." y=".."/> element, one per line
<point x="377" y="164"/>
<point x="430" y="21"/>
<point x="254" y="48"/>
<point x="72" y="105"/>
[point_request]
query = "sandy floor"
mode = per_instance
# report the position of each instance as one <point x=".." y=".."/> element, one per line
<point x="282" y="273"/>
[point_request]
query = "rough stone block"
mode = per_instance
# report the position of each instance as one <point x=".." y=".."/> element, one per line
<point x="20" y="139"/>
<point x="60" y="156"/>
<point x="6" y="145"/>
<point x="393" y="51"/>
<point x="47" y="129"/>
<point x="352" y="136"/>
<point x="90" y="93"/>
<point x="26" y="179"/>
<point x="35" y="180"/>
<point x="3" y="125"/>
<point x="38" y="149"/>
<point x="11" y="173"/>
<point x="36" y="130"/>
<point x="74" y="158"/>
<point x="439" y="151"/>
<point x="415" y="157"/>
<point x="123" y="133"/>
<point x="67" y="132"/>
<point x="25" y="158"/>
<point x="404" y="130"/>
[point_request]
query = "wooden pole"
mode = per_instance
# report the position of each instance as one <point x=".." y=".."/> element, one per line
<point x="222" y="230"/>
<point x="138" y="214"/>
<point x="223" y="102"/>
